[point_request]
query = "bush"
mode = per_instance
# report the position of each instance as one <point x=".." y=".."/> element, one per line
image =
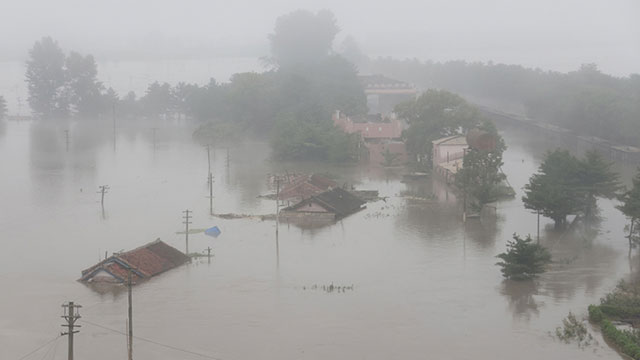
<point x="523" y="259"/>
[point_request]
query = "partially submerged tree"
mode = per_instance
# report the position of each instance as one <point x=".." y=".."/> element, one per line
<point x="630" y="207"/>
<point x="523" y="259"/>
<point x="596" y="180"/>
<point x="83" y="88"/>
<point x="435" y="114"/>
<point x="46" y="80"/>
<point x="566" y="185"/>
<point x="481" y="175"/>
<point x="554" y="190"/>
<point x="3" y="108"/>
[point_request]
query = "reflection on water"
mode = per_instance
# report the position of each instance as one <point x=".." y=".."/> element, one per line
<point x="520" y="295"/>
<point x="423" y="281"/>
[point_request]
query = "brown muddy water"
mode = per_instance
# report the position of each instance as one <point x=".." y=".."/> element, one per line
<point x="424" y="284"/>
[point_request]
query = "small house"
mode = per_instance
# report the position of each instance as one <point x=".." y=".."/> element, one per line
<point x="448" y="154"/>
<point x="329" y="205"/>
<point x="144" y="262"/>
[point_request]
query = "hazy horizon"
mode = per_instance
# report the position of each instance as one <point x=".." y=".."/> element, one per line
<point x="544" y="34"/>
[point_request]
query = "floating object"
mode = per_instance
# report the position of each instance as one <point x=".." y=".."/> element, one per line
<point x="213" y="231"/>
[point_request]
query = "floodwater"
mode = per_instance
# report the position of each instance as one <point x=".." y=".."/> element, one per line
<point x="424" y="284"/>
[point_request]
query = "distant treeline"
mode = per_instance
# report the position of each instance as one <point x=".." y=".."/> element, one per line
<point x="291" y="104"/>
<point x="586" y="101"/>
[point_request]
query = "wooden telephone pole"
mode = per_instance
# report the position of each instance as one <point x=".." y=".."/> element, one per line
<point x="210" y="193"/>
<point x="130" y="323"/>
<point x="103" y="190"/>
<point x="71" y="315"/>
<point x="186" y="223"/>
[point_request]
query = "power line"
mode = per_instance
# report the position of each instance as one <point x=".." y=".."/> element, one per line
<point x="154" y="342"/>
<point x="40" y="347"/>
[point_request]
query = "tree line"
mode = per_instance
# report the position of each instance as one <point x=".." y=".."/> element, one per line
<point x="586" y="101"/>
<point x="290" y="104"/>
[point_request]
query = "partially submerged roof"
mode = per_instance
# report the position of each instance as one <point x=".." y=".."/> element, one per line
<point x="337" y="201"/>
<point x="146" y="261"/>
<point x="306" y="186"/>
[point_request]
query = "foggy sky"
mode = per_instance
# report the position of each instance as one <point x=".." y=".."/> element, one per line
<point x="558" y="35"/>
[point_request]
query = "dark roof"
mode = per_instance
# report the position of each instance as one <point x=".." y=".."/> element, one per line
<point x="146" y="261"/>
<point x="337" y="201"/>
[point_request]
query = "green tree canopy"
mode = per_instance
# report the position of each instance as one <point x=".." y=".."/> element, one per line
<point x="596" y="179"/>
<point x="302" y="37"/>
<point x="523" y="259"/>
<point x="630" y="207"/>
<point x="434" y="114"/>
<point x="481" y="175"/>
<point x="84" y="89"/>
<point x="46" y="80"/>
<point x="3" y="108"/>
<point x="554" y="191"/>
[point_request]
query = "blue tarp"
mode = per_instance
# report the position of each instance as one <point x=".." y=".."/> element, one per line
<point x="214" y="231"/>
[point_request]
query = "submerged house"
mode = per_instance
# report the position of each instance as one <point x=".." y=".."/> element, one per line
<point x="305" y="186"/>
<point x="448" y="154"/>
<point x="327" y="206"/>
<point x="144" y="262"/>
<point x="378" y="135"/>
<point x="384" y="93"/>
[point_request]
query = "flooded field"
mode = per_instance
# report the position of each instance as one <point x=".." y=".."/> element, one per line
<point x="417" y="282"/>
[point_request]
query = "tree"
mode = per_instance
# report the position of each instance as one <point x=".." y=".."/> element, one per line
<point x="554" y="191"/>
<point x="350" y="50"/>
<point x="435" y="114"/>
<point x="83" y="88"/>
<point x="158" y="101"/>
<point x="302" y="37"/>
<point x="523" y="259"/>
<point x="596" y="180"/>
<point x="46" y="80"/>
<point x="630" y="207"/>
<point x="480" y="175"/>
<point x="3" y="108"/>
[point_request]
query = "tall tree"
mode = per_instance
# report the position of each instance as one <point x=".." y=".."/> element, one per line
<point x="3" y="108"/>
<point x="555" y="190"/>
<point x="158" y="101"/>
<point x="596" y="179"/>
<point x="302" y="37"/>
<point x="45" y="77"/>
<point x="434" y="114"/>
<point x="84" y="89"/>
<point x="481" y="175"/>
<point x="630" y="207"/>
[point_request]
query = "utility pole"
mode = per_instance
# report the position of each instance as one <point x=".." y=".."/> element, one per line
<point x="210" y="193"/>
<point x="209" y="158"/>
<point x="153" y="131"/>
<point x="66" y="135"/>
<point x="130" y="332"/>
<point x="113" y="114"/>
<point x="209" y="254"/>
<point x="277" y="219"/>
<point x="70" y="314"/>
<point x="103" y="190"/>
<point x="186" y="223"/>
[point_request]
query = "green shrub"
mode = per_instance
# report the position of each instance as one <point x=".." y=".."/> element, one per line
<point x="524" y="259"/>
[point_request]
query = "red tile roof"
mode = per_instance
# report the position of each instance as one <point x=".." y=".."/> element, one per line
<point x="146" y="261"/>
